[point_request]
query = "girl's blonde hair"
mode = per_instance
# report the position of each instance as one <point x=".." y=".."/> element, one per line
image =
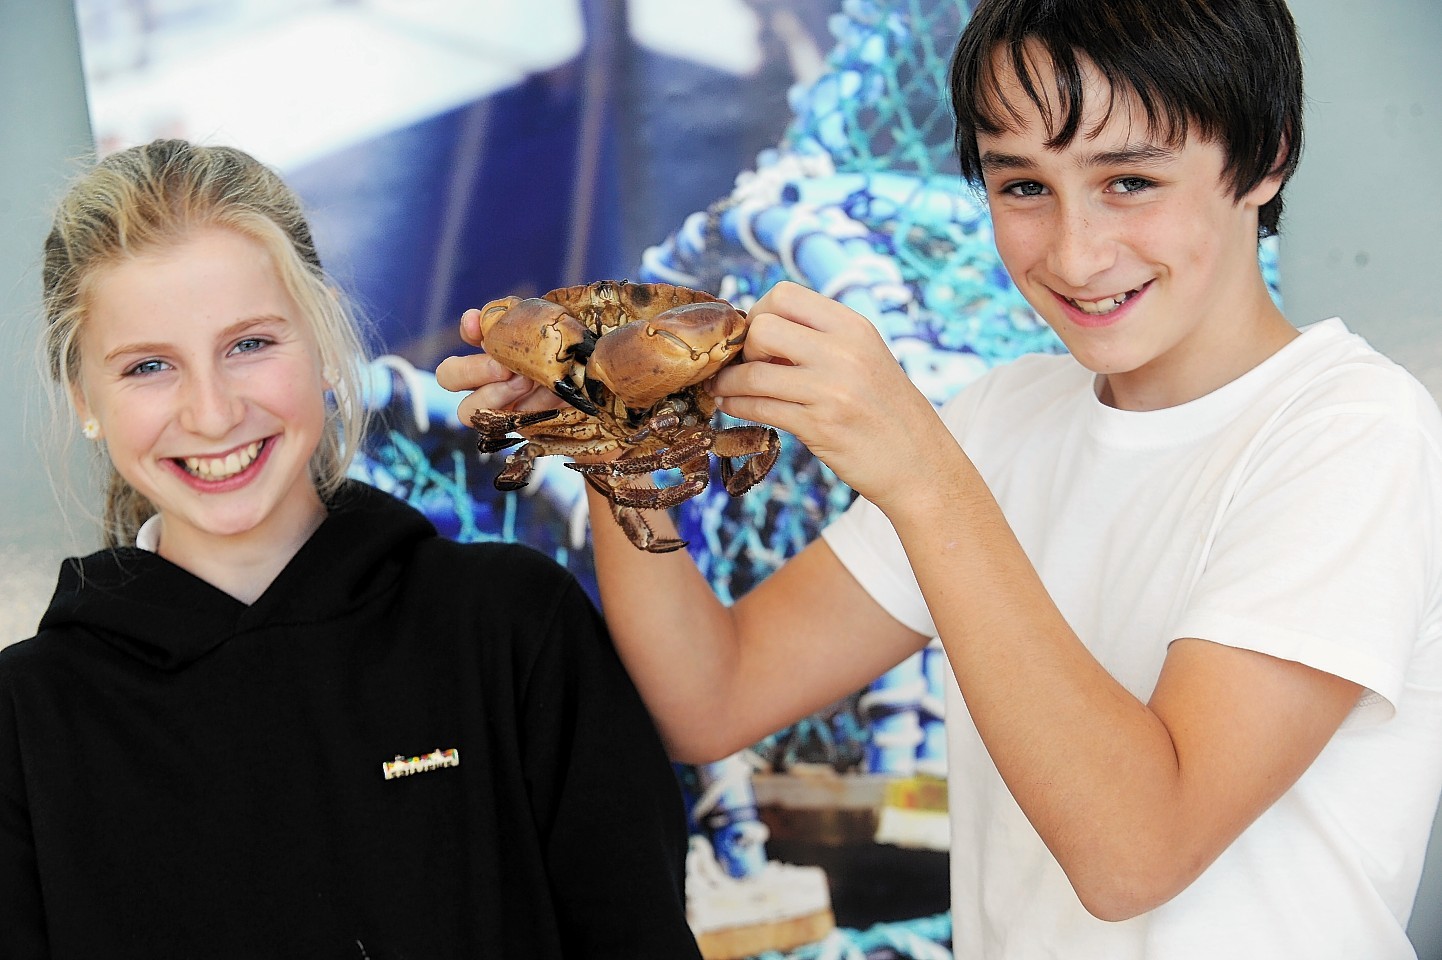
<point x="136" y="201"/>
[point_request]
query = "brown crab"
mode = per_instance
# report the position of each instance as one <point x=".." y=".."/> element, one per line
<point x="630" y="360"/>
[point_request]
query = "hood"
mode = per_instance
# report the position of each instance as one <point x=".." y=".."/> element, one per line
<point x="159" y="613"/>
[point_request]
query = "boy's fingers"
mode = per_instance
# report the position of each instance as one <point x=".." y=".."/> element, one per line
<point x="470" y="327"/>
<point x="468" y="372"/>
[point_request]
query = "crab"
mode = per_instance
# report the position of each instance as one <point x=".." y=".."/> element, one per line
<point x="631" y="361"/>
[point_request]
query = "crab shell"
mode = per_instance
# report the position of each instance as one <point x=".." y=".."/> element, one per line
<point x="635" y="342"/>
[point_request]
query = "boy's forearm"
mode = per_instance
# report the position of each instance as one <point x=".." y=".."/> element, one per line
<point x="673" y="634"/>
<point x="1091" y="766"/>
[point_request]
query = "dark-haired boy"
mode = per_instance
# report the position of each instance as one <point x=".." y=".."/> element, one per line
<point x="1189" y="577"/>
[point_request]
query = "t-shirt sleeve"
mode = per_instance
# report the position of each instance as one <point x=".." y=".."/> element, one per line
<point x="865" y="542"/>
<point x="605" y="795"/>
<point x="867" y="546"/>
<point x="1327" y="551"/>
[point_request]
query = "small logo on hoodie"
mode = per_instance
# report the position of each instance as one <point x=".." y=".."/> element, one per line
<point x="405" y="766"/>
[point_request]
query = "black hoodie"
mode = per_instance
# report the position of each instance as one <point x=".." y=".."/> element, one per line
<point x="182" y="775"/>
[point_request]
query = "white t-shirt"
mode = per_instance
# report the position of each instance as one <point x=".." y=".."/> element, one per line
<point x="1296" y="511"/>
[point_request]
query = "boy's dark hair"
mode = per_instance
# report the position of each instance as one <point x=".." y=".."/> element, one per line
<point x="1228" y="71"/>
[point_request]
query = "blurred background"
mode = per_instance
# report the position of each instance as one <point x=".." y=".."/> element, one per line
<point x="455" y="151"/>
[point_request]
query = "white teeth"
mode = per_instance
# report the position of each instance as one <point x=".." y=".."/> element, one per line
<point x="1098" y="307"/>
<point x="222" y="468"/>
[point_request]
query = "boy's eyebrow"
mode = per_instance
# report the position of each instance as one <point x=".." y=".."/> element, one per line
<point x="1132" y="155"/>
<point x="1140" y="154"/>
<point x="993" y="161"/>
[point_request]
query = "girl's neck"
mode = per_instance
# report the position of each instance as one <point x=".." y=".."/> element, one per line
<point x="243" y="565"/>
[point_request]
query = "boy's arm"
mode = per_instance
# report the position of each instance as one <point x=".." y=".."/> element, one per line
<point x="717" y="678"/>
<point x="1134" y="799"/>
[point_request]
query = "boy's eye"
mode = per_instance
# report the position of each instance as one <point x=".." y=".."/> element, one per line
<point x="1024" y="188"/>
<point x="1131" y="184"/>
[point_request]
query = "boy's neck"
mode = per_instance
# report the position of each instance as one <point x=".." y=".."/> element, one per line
<point x="1233" y="344"/>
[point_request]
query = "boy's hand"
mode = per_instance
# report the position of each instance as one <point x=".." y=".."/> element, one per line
<point x="822" y="372"/>
<point x="491" y="386"/>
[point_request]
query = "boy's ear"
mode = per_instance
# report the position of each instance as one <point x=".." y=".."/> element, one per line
<point x="1270" y="185"/>
<point x="1262" y="194"/>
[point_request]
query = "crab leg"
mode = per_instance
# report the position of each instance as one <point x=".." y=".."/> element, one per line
<point x="696" y="477"/>
<point x="494" y="425"/>
<point x="665" y="420"/>
<point x="759" y="445"/>
<point x="632" y="523"/>
<point x="640" y="533"/>
<point x="517" y="470"/>
<point x="680" y="453"/>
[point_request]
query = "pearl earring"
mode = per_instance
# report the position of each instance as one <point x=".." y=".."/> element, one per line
<point x="90" y="428"/>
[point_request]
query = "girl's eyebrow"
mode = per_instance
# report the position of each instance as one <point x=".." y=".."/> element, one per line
<point x="235" y="329"/>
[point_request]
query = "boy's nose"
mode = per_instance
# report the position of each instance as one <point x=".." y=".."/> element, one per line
<point x="1081" y="247"/>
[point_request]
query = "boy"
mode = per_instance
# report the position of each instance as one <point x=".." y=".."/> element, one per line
<point x="1187" y="577"/>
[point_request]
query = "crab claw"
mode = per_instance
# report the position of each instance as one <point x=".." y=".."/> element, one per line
<point x="646" y="360"/>
<point x="575" y="396"/>
<point x="540" y="340"/>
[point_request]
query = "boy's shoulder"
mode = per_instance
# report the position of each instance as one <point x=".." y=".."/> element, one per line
<point x="1336" y="368"/>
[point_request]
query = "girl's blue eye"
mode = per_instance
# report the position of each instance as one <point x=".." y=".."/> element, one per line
<point x="250" y="344"/>
<point x="146" y="367"/>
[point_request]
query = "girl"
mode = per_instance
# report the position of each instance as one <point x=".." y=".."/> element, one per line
<point x="278" y="714"/>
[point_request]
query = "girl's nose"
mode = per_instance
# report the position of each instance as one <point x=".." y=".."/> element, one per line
<point x="210" y="407"/>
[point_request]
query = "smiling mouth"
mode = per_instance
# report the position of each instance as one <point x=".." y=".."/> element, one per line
<point x="1098" y="308"/>
<point x="222" y="468"/>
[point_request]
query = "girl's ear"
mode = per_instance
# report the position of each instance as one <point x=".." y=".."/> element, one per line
<point x="77" y="400"/>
